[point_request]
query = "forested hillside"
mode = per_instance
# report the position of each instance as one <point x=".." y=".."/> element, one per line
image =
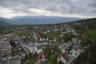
<point x="87" y="34"/>
<point x="2" y="23"/>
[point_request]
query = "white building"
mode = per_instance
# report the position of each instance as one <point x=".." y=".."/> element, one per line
<point x="33" y="48"/>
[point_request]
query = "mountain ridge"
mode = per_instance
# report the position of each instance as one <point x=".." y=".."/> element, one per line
<point x="28" y="20"/>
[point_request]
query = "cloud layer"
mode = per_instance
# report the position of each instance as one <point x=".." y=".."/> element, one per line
<point x="69" y="8"/>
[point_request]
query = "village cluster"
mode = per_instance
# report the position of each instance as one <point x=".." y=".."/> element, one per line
<point x="43" y="43"/>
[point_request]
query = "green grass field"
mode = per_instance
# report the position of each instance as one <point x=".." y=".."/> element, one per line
<point x="53" y="34"/>
<point x="24" y="32"/>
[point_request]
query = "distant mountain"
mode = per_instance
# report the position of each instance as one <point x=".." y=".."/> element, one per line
<point x="20" y="20"/>
<point x="3" y="22"/>
<point x="29" y="20"/>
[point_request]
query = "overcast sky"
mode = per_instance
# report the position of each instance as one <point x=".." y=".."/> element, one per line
<point x="64" y="8"/>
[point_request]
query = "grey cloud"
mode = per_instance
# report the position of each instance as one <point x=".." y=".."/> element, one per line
<point x="82" y="7"/>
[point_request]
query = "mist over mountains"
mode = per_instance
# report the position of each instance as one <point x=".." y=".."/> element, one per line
<point x="3" y="22"/>
<point x="28" y="20"/>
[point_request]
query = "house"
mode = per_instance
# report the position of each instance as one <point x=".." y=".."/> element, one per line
<point x="75" y="40"/>
<point x="5" y="48"/>
<point x="42" y="57"/>
<point x="63" y="47"/>
<point x="63" y="59"/>
<point x="13" y="60"/>
<point x="33" y="48"/>
<point x="76" y="50"/>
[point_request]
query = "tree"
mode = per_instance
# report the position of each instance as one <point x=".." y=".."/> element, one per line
<point x="68" y="37"/>
<point x="12" y="43"/>
<point x="47" y="49"/>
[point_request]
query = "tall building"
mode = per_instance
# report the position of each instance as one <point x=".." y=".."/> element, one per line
<point x="5" y="50"/>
